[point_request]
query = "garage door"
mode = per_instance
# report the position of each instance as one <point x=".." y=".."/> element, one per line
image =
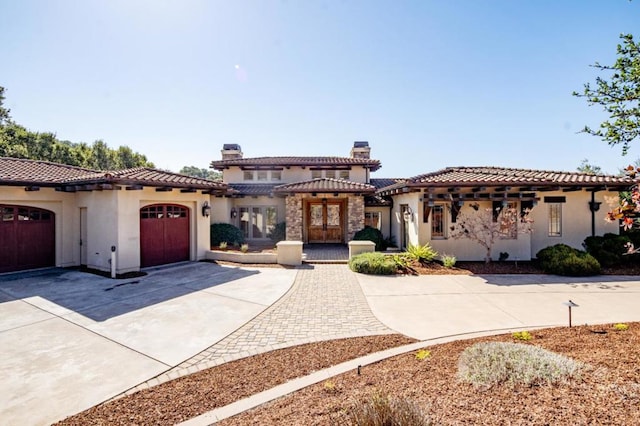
<point x="27" y="238"/>
<point x="164" y="234"/>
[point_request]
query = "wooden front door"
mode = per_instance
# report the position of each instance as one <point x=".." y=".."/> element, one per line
<point x="324" y="219"/>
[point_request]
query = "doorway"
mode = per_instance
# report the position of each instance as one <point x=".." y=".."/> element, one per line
<point x="325" y="221"/>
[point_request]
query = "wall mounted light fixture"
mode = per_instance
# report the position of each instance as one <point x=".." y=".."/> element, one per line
<point x="234" y="213"/>
<point x="206" y="209"/>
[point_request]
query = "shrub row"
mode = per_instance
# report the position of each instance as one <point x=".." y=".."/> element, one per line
<point x="564" y="260"/>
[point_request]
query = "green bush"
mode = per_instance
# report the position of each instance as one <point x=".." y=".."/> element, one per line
<point x="225" y="232"/>
<point x="564" y="260"/>
<point x="448" y="260"/>
<point x="423" y="253"/>
<point x="371" y="234"/>
<point x="373" y="263"/>
<point x="278" y="233"/>
<point x="493" y="363"/>
<point x="609" y="249"/>
<point x="383" y="410"/>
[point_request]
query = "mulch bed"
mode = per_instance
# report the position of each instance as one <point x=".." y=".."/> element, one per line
<point x="190" y="396"/>
<point x="608" y="391"/>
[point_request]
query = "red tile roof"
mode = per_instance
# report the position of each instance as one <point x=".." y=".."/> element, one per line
<point x="296" y="161"/>
<point x="16" y="171"/>
<point x="325" y="185"/>
<point x="494" y="176"/>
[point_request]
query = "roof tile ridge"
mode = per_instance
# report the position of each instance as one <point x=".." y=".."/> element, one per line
<point x="52" y="163"/>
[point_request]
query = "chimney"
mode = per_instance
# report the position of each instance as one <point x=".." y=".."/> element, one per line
<point x="361" y="150"/>
<point x="231" y="151"/>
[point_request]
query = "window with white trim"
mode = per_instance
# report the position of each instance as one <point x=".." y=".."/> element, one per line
<point x="248" y="175"/>
<point x="344" y="174"/>
<point x="331" y="174"/>
<point x="372" y="219"/>
<point x="276" y="175"/>
<point x="316" y="174"/>
<point x="555" y="219"/>
<point x="262" y="175"/>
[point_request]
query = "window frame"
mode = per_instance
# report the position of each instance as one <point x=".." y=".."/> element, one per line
<point x="252" y="212"/>
<point x="248" y="175"/>
<point x="554" y="219"/>
<point x="442" y="223"/>
<point x="377" y="213"/>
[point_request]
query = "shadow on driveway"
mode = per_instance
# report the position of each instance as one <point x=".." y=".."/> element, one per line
<point x="602" y="282"/>
<point x="100" y="298"/>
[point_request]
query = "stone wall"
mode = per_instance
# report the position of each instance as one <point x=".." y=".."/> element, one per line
<point x="294" y="217"/>
<point x="355" y="215"/>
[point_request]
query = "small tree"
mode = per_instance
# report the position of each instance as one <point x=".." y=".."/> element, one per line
<point x="486" y="226"/>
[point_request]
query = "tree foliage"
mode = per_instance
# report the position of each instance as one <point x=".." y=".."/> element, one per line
<point x="588" y="168"/>
<point x="485" y="227"/>
<point x="200" y="173"/>
<point x="619" y="95"/>
<point x="18" y="142"/>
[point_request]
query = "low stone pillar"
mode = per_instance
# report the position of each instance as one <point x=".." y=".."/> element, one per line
<point x="357" y="247"/>
<point x="289" y="252"/>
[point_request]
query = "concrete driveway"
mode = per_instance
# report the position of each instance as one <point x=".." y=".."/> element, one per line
<point x="426" y="307"/>
<point x="70" y="340"/>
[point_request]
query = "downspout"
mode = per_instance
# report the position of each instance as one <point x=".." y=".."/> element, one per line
<point x="593" y="213"/>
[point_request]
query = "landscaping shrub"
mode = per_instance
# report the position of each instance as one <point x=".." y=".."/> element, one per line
<point x="386" y="411"/>
<point x="448" y="260"/>
<point x="609" y="249"/>
<point x="371" y="234"/>
<point x="423" y="253"/>
<point x="225" y="232"/>
<point x="564" y="260"/>
<point x="278" y="233"/>
<point x="373" y="263"/>
<point x="493" y="363"/>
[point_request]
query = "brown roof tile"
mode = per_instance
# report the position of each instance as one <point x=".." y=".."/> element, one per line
<point x="296" y="161"/>
<point x="17" y="171"/>
<point x="253" y="188"/>
<point x="501" y="176"/>
<point x="325" y="185"/>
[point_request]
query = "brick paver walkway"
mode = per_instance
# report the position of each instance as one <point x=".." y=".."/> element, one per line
<point x="325" y="302"/>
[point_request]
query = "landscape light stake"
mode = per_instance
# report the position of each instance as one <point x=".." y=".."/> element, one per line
<point x="359" y="367"/>
<point x="570" y="304"/>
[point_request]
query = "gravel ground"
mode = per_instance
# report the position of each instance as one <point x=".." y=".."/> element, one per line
<point x="607" y="393"/>
<point x="192" y="395"/>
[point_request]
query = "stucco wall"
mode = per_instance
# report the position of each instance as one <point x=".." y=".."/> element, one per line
<point x="294" y="174"/>
<point x="576" y="220"/>
<point x="385" y="219"/>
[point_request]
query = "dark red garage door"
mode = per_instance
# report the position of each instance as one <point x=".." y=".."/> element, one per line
<point x="27" y="238"/>
<point x="164" y="234"/>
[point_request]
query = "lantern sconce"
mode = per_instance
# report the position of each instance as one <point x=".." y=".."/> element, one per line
<point x="206" y="209"/>
<point x="594" y="206"/>
<point x="234" y="213"/>
<point x="475" y="206"/>
<point x="408" y="214"/>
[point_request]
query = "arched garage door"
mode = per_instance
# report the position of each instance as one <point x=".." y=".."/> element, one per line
<point x="164" y="234"/>
<point x="27" y="238"/>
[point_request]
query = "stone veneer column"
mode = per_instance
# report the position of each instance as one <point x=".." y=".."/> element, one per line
<point x="294" y="217"/>
<point x="355" y="215"/>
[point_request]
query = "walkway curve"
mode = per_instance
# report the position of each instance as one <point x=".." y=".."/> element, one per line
<point x="325" y="302"/>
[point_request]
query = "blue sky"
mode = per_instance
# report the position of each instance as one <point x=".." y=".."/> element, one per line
<point x="428" y="83"/>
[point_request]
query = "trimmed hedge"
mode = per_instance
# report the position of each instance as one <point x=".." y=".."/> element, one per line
<point x="278" y="233"/>
<point x="225" y="232"/>
<point x="564" y="260"/>
<point x="371" y="234"/>
<point x="373" y="263"/>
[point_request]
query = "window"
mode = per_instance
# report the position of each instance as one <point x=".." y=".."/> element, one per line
<point x="276" y="175"/>
<point x="438" y="221"/>
<point x="316" y="174"/>
<point x="330" y="174"/>
<point x="262" y="175"/>
<point x="555" y="219"/>
<point x="372" y="219"/>
<point x="257" y="221"/>
<point x="248" y="175"/>
<point x="344" y="174"/>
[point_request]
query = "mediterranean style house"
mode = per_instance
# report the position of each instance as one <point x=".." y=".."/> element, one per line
<point x="121" y="221"/>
